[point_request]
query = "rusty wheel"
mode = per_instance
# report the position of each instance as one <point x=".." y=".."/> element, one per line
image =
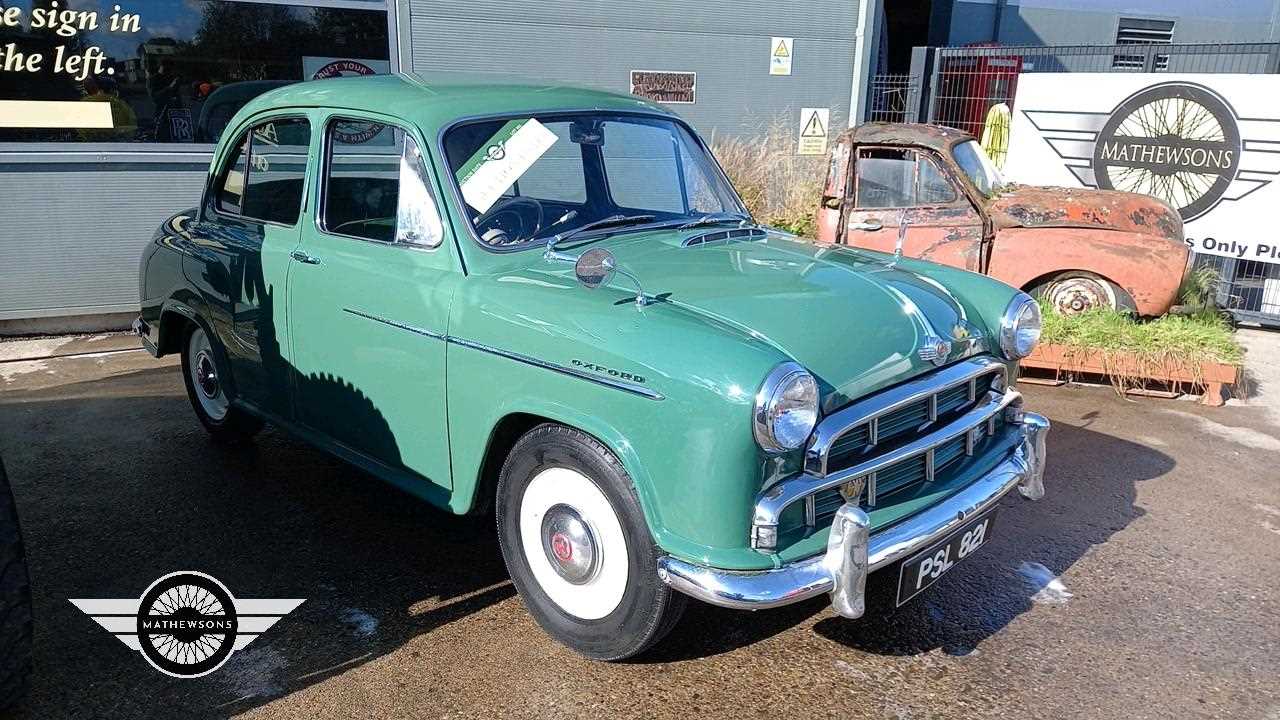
<point x="1071" y="293"/>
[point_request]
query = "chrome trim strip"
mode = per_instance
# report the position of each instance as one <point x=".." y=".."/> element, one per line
<point x="623" y="385"/>
<point x="771" y="504"/>
<point x="836" y="425"/>
<point x="633" y="388"/>
<point x="395" y="324"/>
<point x="852" y="554"/>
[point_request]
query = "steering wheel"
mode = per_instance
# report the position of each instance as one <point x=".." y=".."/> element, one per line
<point x="521" y="209"/>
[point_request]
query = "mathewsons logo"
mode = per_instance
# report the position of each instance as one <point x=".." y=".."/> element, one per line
<point x="1176" y="141"/>
<point x="1206" y="144"/>
<point x="186" y="624"/>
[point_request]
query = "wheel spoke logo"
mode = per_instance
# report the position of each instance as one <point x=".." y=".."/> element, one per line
<point x="186" y="624"/>
<point x="1175" y="141"/>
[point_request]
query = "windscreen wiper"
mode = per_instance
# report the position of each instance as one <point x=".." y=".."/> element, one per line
<point x="716" y="218"/>
<point x="611" y="221"/>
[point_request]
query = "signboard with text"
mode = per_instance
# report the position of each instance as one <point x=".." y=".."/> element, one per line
<point x="1209" y="145"/>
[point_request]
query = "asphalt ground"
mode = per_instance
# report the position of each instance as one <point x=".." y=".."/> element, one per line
<point x="1143" y="585"/>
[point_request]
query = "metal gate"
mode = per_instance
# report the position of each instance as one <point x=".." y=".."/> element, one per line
<point x="958" y="86"/>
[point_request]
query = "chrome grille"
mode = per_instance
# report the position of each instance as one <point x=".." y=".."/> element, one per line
<point x="893" y="423"/>
<point x="909" y="474"/>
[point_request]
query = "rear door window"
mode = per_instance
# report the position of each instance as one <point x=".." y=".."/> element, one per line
<point x="266" y="172"/>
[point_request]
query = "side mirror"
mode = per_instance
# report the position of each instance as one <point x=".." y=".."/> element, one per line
<point x="595" y="267"/>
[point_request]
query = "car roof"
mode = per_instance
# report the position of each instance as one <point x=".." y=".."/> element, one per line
<point x="436" y="99"/>
<point x="936" y="137"/>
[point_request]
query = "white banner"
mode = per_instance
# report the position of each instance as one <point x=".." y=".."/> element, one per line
<point x="1209" y="145"/>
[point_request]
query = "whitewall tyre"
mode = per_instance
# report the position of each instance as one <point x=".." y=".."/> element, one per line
<point x="578" y="548"/>
<point x="204" y="374"/>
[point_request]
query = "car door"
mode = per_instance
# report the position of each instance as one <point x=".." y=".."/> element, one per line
<point x="893" y="186"/>
<point x="242" y="245"/>
<point x="369" y="296"/>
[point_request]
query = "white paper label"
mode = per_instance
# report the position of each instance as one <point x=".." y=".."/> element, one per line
<point x="508" y="155"/>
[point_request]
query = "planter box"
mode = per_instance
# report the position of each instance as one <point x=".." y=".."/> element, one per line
<point x="1212" y="377"/>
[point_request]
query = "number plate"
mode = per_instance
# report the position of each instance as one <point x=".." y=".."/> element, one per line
<point x="925" y="568"/>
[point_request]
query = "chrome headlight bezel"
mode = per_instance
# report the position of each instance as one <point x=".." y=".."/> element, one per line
<point x="1022" y="312"/>
<point x="773" y="392"/>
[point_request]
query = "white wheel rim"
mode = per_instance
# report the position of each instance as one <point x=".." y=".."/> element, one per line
<point x="598" y="595"/>
<point x="204" y="376"/>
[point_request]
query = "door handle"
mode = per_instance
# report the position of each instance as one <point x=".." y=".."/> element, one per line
<point x="304" y="258"/>
<point x="870" y="224"/>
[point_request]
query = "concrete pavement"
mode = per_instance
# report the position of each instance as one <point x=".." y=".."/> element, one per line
<point x="1142" y="586"/>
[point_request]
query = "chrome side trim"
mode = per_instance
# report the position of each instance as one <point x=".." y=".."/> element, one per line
<point x="771" y="504"/>
<point x="633" y="388"/>
<point x="625" y="386"/>
<point x="396" y="324"/>
<point x="836" y="425"/>
<point x="852" y="553"/>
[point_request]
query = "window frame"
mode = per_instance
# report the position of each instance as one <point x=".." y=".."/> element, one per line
<point x="326" y="157"/>
<point x="245" y="129"/>
<point x="956" y="195"/>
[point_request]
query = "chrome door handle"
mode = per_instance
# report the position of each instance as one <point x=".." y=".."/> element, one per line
<point x="870" y="224"/>
<point x="304" y="258"/>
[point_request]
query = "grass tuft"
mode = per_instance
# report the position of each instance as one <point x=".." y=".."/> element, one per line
<point x="1173" y="341"/>
<point x="780" y="188"/>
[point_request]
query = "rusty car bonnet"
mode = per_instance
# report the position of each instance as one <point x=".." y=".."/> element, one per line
<point x="1025" y="206"/>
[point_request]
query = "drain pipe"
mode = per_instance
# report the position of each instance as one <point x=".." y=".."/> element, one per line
<point x="865" y="39"/>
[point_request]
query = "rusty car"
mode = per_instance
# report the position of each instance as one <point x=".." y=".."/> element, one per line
<point x="932" y="192"/>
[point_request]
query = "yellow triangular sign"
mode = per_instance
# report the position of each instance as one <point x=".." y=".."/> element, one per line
<point x="814" y="128"/>
<point x="781" y="50"/>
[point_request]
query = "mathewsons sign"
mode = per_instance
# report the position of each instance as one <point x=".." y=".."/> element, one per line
<point x="1209" y="145"/>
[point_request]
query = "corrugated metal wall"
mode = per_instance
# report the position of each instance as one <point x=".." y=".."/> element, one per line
<point x="71" y="233"/>
<point x="599" y="43"/>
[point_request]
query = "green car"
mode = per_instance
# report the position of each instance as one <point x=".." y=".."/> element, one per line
<point x="550" y="304"/>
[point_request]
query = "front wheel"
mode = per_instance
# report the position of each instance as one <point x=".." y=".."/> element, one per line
<point x="1076" y="291"/>
<point x="577" y="546"/>
<point x="205" y="378"/>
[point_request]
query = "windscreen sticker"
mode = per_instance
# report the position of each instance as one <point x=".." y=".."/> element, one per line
<point x="501" y="161"/>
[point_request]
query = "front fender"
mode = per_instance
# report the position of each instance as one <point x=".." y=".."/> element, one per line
<point x="1148" y="267"/>
<point x="692" y="458"/>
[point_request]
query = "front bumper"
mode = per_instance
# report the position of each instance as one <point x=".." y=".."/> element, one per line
<point x="853" y="552"/>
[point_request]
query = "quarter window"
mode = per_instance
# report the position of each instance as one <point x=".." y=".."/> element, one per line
<point x="892" y="178"/>
<point x="265" y="172"/>
<point x="376" y="186"/>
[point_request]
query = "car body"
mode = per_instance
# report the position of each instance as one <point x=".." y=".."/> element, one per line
<point x="1077" y="248"/>
<point x="651" y="356"/>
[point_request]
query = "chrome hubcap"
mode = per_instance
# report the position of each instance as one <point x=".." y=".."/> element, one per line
<point x="206" y="375"/>
<point x="569" y="544"/>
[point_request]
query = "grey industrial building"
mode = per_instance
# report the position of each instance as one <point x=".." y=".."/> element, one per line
<point x="78" y="203"/>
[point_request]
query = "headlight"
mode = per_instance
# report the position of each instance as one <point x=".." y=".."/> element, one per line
<point x="786" y="408"/>
<point x="1020" y="327"/>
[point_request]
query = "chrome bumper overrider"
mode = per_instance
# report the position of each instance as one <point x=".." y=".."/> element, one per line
<point x="853" y="552"/>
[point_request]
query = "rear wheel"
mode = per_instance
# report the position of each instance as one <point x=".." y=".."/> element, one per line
<point x="1075" y="291"/>
<point x="15" y="602"/>
<point x="577" y="546"/>
<point x="204" y="376"/>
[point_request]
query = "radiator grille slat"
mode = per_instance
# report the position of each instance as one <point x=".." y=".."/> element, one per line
<point x="899" y="427"/>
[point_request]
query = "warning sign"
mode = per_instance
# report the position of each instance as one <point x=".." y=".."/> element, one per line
<point x="814" y="123"/>
<point x="780" y="51"/>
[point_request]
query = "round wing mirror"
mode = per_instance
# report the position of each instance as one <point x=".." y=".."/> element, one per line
<point x="595" y="267"/>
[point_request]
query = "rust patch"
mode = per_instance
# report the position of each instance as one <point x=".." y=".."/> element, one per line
<point x="1035" y="207"/>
